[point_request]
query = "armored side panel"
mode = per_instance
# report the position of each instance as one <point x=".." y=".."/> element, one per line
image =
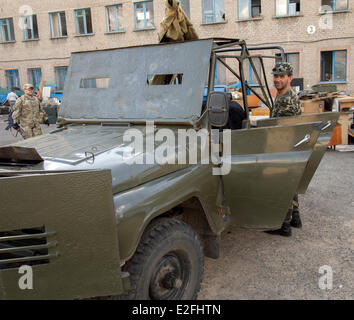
<point x="329" y="121"/>
<point x="61" y="225"/>
<point x="266" y="168"/>
<point x="115" y="85"/>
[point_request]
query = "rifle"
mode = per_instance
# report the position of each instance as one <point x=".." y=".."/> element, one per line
<point x="11" y="125"/>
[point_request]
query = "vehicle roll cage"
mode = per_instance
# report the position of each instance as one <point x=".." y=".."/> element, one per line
<point x="223" y="46"/>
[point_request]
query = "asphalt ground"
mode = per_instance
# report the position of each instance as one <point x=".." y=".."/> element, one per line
<point x="256" y="265"/>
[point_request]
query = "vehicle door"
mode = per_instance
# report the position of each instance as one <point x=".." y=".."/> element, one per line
<point x="267" y="165"/>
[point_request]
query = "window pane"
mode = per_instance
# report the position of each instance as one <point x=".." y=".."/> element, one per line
<point x="185" y="7"/>
<point x="208" y="14"/>
<point x="281" y="7"/>
<point x="329" y="3"/>
<point x="326" y="66"/>
<point x="294" y="60"/>
<point x="295" y="4"/>
<point x="55" y="25"/>
<point x="80" y="23"/>
<point x="34" y="76"/>
<point x="256" y="8"/>
<point x="12" y="79"/>
<point x="243" y="9"/>
<point x="149" y="14"/>
<point x="139" y="16"/>
<point x="35" y="27"/>
<point x="63" y="24"/>
<point x="88" y="20"/>
<point x="340" y="61"/>
<point x="120" y="17"/>
<point x="111" y="19"/>
<point x="341" y="4"/>
<point x="60" y="74"/>
<point x="219" y="11"/>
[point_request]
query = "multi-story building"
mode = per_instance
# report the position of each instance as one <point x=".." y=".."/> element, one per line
<point x="37" y="37"/>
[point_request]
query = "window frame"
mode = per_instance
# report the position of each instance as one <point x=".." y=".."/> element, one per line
<point x="214" y="22"/>
<point x="76" y="16"/>
<point x="7" y="72"/>
<point x="249" y="12"/>
<point x="287" y="60"/>
<point x="297" y="13"/>
<point x="116" y="24"/>
<point x="64" y="70"/>
<point x="10" y="27"/>
<point x="32" y="29"/>
<point x="52" y="36"/>
<point x="145" y="20"/>
<point x="35" y="70"/>
<point x="333" y="65"/>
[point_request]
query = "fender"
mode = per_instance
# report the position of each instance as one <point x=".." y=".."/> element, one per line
<point x="139" y="205"/>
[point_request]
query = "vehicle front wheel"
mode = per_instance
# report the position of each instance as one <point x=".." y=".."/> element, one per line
<point x="168" y="263"/>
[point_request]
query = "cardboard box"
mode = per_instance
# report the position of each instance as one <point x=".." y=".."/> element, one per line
<point x="312" y="106"/>
<point x="346" y="104"/>
<point x="260" y="111"/>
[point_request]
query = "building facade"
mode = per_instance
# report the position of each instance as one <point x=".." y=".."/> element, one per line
<point x="37" y="37"/>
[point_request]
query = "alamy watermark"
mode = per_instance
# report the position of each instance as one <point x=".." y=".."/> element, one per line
<point x="181" y="146"/>
<point x="26" y="281"/>
<point x="325" y="281"/>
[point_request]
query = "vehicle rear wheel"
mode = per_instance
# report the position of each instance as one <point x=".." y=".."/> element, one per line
<point x="168" y="263"/>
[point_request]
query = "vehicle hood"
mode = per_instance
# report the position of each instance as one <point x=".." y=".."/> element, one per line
<point x="92" y="147"/>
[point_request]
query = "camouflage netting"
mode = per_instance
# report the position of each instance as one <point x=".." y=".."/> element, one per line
<point x="176" y="26"/>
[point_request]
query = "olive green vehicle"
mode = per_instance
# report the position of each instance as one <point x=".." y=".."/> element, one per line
<point x="91" y="222"/>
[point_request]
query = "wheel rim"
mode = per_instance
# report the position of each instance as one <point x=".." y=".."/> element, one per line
<point x="170" y="278"/>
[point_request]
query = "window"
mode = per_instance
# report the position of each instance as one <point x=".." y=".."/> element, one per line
<point x="83" y="22"/>
<point x="34" y="76"/>
<point x="287" y="7"/>
<point x="294" y="60"/>
<point x="335" y="5"/>
<point x="250" y="75"/>
<point x="248" y="9"/>
<point x="57" y="23"/>
<point x="184" y="4"/>
<point x="114" y="18"/>
<point x="30" y="27"/>
<point x="60" y="76"/>
<point x="213" y="11"/>
<point x="144" y="15"/>
<point x="334" y="66"/>
<point x="7" y="30"/>
<point x="12" y="79"/>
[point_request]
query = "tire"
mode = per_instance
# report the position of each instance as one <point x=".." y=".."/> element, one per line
<point x="168" y="263"/>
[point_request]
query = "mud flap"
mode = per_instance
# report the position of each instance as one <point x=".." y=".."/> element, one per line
<point x="62" y="225"/>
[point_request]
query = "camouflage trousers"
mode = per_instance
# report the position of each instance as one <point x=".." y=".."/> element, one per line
<point x="294" y="207"/>
<point x="29" y="132"/>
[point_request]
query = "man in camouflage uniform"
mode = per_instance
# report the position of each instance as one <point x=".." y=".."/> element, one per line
<point x="28" y="114"/>
<point x="286" y="104"/>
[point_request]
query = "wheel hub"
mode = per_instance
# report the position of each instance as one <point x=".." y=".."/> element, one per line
<point x="167" y="280"/>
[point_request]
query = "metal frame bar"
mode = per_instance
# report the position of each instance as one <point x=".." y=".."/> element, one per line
<point x="245" y="55"/>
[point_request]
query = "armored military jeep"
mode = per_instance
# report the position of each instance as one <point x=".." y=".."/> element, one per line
<point x="86" y="212"/>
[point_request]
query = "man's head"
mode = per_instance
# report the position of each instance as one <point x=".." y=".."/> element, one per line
<point x="28" y="89"/>
<point x="282" y="75"/>
<point x="13" y="90"/>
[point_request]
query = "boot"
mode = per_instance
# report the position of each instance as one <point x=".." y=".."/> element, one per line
<point x="295" y="220"/>
<point x="284" y="231"/>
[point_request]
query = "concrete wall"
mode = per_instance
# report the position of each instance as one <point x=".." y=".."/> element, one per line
<point x="289" y="32"/>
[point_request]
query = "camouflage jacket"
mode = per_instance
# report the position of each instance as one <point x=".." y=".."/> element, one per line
<point x="286" y="105"/>
<point x="28" y="112"/>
